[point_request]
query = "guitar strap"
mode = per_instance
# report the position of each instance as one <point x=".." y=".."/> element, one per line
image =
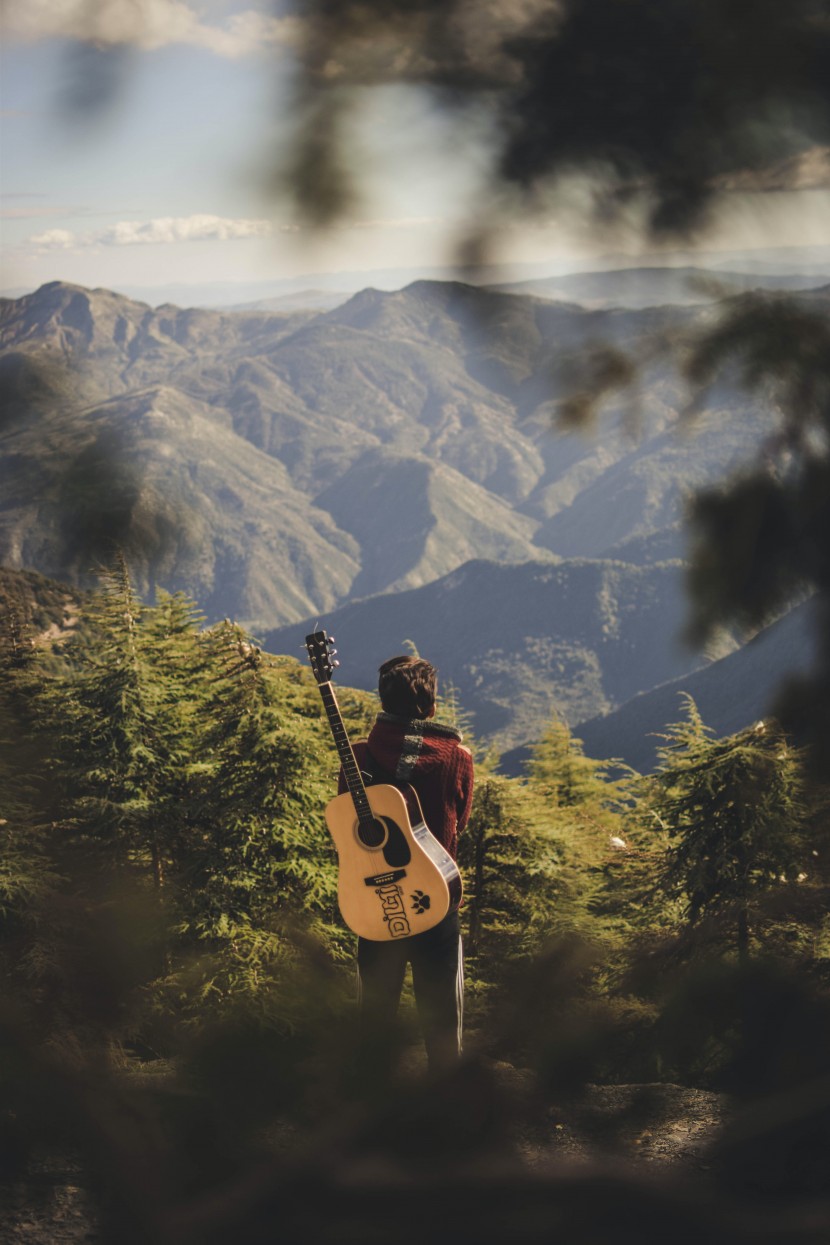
<point x="377" y="774"/>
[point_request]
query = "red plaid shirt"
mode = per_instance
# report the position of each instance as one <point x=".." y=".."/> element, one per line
<point x="430" y="757"/>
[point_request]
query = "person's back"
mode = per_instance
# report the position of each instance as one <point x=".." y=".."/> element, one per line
<point x="406" y="747"/>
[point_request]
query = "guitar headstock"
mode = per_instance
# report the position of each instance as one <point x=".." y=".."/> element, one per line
<point x="321" y="653"/>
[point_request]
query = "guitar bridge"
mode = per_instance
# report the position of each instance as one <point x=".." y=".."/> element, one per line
<point x="386" y="879"/>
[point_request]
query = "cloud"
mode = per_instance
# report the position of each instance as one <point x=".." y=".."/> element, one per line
<point x="167" y="229"/>
<point x="55" y="240"/>
<point x="163" y="230"/>
<point x="198" y="228"/>
<point x="150" y="24"/>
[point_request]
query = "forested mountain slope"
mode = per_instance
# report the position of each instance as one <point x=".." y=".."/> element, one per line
<point x="522" y="642"/>
<point x="730" y="693"/>
<point x="276" y="467"/>
<point x="383" y="443"/>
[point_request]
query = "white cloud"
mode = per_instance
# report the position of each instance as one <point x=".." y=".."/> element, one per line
<point x="163" y="230"/>
<point x="149" y="24"/>
<point x="198" y="228"/>
<point x="54" y="240"/>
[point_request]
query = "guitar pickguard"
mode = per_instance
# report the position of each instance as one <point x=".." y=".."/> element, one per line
<point x="396" y="851"/>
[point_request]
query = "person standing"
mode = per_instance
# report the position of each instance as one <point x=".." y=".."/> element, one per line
<point x="408" y="748"/>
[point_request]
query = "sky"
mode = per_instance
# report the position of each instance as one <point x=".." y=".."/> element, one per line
<point x="172" y="182"/>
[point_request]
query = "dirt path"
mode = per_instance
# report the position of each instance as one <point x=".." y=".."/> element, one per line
<point x="658" y="1125"/>
<point x="49" y="1207"/>
<point x="666" y="1126"/>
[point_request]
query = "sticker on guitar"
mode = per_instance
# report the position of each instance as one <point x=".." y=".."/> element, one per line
<point x="394" y="912"/>
<point x="421" y="902"/>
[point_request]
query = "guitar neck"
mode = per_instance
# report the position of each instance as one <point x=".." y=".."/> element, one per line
<point x="351" y="770"/>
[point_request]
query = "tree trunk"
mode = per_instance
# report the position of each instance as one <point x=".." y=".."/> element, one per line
<point x="743" y="936"/>
<point x="158" y="867"/>
<point x="478" y="885"/>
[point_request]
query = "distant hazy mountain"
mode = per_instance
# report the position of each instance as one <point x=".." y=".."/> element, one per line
<point x="107" y="344"/>
<point x="301" y="300"/>
<point x="520" y="642"/>
<point x="809" y="261"/>
<point x="424" y="417"/>
<point x="656" y="287"/>
<point x="785" y="260"/>
<point x="730" y="693"/>
<point x="279" y="466"/>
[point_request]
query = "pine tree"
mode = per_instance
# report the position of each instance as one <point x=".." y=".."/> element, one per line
<point x="256" y="867"/>
<point x="559" y="770"/>
<point x="735" y="813"/>
<point x="112" y="722"/>
<point x="26" y="876"/>
<point x="176" y="690"/>
<point x="511" y="869"/>
<point x="589" y="805"/>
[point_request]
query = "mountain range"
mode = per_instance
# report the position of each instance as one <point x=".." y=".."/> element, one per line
<point x="678" y="285"/>
<point x="812" y="262"/>
<point x="391" y="462"/>
<point x="730" y="693"/>
<point x="520" y="643"/>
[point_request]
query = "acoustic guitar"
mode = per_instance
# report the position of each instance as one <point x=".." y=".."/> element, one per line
<point x="394" y="877"/>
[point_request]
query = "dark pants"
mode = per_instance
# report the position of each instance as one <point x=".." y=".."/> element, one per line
<point x="437" y="979"/>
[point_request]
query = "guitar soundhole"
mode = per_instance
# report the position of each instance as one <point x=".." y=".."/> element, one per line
<point x="372" y="834"/>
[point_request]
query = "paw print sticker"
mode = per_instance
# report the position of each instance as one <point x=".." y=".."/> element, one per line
<point x="420" y="902"/>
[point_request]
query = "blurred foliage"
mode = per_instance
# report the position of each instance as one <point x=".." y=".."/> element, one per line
<point x="660" y="105"/>
<point x="658" y="102"/>
<point x="167" y="886"/>
<point x="762" y="539"/>
<point x="177" y="1006"/>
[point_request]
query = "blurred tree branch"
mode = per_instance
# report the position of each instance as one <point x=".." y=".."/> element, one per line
<point x="660" y="101"/>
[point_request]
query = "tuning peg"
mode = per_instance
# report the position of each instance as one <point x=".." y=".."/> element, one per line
<point x="335" y="663"/>
<point x="331" y="639"/>
<point x="332" y="652"/>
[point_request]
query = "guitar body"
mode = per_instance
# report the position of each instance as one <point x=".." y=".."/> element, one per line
<point x="395" y="879"/>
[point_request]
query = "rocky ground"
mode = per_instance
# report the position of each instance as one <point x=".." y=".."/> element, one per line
<point x="49" y="1207"/>
<point x="660" y="1125"/>
<point x="657" y="1126"/>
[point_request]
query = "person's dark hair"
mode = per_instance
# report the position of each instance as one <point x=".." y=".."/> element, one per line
<point x="407" y="687"/>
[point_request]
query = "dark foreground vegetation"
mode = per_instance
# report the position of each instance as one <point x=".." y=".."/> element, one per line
<point x="177" y="1019"/>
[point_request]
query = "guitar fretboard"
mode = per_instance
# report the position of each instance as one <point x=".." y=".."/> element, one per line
<point x="351" y="770"/>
